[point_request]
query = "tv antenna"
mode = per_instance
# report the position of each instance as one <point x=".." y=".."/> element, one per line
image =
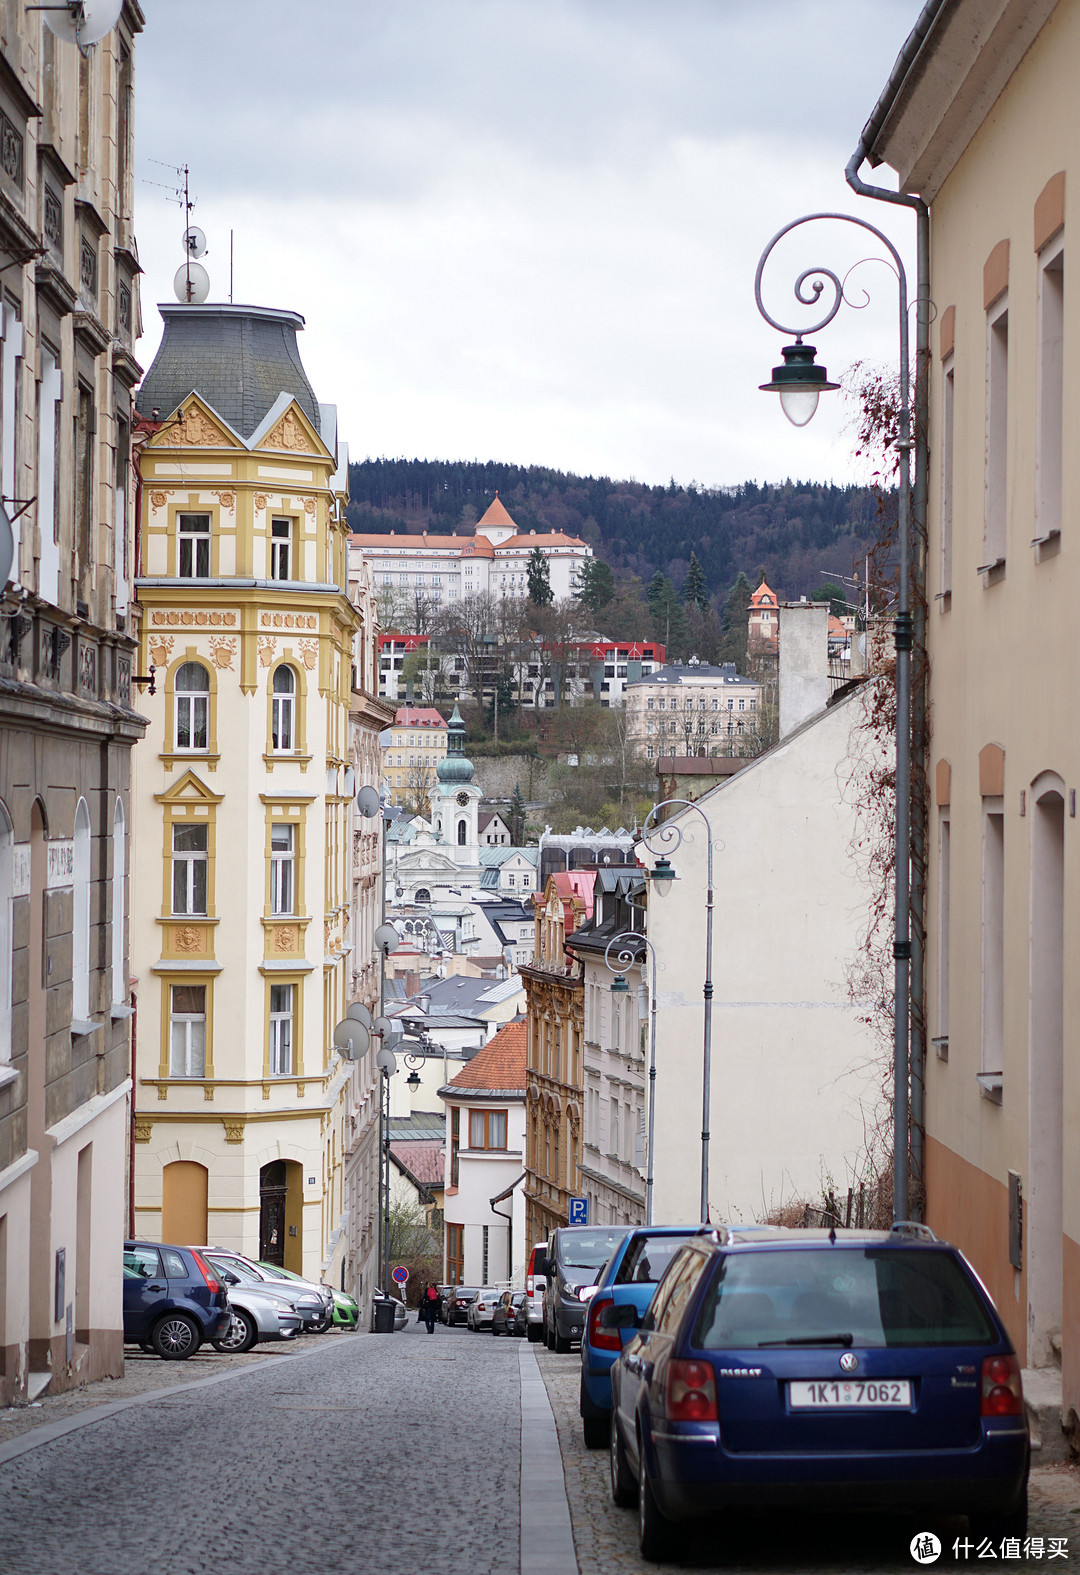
<point x="191" y="283"/>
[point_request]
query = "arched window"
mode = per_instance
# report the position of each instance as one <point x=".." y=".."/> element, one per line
<point x="422" y="895"/>
<point x="283" y="709"/>
<point x="192" y="687"/>
<point x="119" y="903"/>
<point x="80" y="919"/>
<point x="7" y="887"/>
<point x="462" y="833"/>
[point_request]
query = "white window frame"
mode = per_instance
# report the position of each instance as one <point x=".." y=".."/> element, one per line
<point x="283" y="713"/>
<point x="80" y="917"/>
<point x="192" y="706"/>
<point x="280" y="547"/>
<point x="198" y="544"/>
<point x="191" y="1060"/>
<point x="283" y="869"/>
<point x="118" y="896"/>
<point x="185" y="862"/>
<point x="281" y="1029"/>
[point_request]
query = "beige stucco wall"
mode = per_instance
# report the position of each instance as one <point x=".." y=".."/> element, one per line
<point x="795" y="1072"/>
<point x="1003" y="655"/>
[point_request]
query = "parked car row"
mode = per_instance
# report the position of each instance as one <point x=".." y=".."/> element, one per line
<point x="764" y="1367"/>
<point x="178" y="1298"/>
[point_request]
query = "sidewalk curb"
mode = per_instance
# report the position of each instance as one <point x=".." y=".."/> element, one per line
<point x="51" y="1431"/>
<point x="545" y="1514"/>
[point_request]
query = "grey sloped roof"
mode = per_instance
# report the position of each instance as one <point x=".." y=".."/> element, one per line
<point x="239" y="359"/>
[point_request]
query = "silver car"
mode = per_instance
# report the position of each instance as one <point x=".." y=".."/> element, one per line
<point x="482" y="1309"/>
<point x="258" y="1313"/>
<point x="314" y="1303"/>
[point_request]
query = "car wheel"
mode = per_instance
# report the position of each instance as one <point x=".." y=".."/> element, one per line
<point x="547" y="1338"/>
<point x="623" y="1487"/>
<point x="1012" y="1524"/>
<point x="596" y="1431"/>
<point x="321" y="1325"/>
<point x="534" y="1332"/>
<point x="656" y="1533"/>
<point x="494" y="1331"/>
<point x="176" y="1337"/>
<point x="241" y="1334"/>
<point x="562" y="1342"/>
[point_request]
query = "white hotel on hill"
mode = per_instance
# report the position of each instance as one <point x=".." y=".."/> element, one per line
<point x="495" y="559"/>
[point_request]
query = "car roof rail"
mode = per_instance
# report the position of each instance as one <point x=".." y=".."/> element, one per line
<point x="913" y="1228"/>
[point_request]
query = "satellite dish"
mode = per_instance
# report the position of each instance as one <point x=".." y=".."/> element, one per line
<point x="194" y="242"/>
<point x="83" y="22"/>
<point x="386" y="1061"/>
<point x="382" y="1025"/>
<point x="7" y="547"/>
<point x="358" y="1013"/>
<point x="368" y="802"/>
<point x="352" y="1039"/>
<point x="386" y="939"/>
<point x="191" y="284"/>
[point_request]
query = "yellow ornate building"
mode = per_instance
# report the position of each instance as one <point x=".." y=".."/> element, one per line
<point x="243" y="795"/>
<point x="555" y="997"/>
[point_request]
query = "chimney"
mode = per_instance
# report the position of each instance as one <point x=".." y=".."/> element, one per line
<point x="804" y="662"/>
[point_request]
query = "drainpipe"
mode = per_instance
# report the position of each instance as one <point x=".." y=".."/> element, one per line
<point x="917" y="903"/>
<point x="131" y="1142"/>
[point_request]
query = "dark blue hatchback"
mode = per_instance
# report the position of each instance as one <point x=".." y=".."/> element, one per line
<point x="826" y="1370"/>
<point x="172" y="1300"/>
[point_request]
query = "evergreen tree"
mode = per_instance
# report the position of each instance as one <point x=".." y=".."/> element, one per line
<point x="539" y="578"/>
<point x="658" y="592"/>
<point x="695" y="591"/>
<point x="668" y="616"/>
<point x="596" y="585"/>
<point x="736" y="616"/>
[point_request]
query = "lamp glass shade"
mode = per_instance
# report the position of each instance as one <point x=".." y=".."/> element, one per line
<point x="661" y="877"/>
<point x="413" y="1080"/>
<point x="799" y="404"/>
<point x="619" y="985"/>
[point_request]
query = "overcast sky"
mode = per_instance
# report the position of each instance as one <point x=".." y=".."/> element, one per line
<point x="526" y="230"/>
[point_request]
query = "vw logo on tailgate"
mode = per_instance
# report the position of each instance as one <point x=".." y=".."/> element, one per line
<point x="849" y="1362"/>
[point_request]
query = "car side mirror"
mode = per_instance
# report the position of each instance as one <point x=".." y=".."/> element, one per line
<point x="230" y="1279"/>
<point x="621" y="1316"/>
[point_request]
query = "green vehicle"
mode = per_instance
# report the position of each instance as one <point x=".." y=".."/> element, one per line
<point x="346" y="1311"/>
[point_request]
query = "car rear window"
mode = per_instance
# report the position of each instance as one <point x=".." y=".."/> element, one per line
<point x="647" y="1257"/>
<point x="588" y="1249"/>
<point x="858" y="1296"/>
<point x="175" y="1267"/>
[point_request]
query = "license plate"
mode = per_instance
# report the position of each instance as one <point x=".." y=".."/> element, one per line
<point x="848" y="1394"/>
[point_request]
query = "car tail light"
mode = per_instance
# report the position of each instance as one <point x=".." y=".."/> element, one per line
<point x="530" y="1286"/>
<point x="1002" y="1392"/>
<point x="691" y="1392"/>
<point x="214" y="1286"/>
<point x="602" y="1339"/>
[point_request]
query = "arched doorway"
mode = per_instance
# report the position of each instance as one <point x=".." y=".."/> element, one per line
<point x="184" y="1188"/>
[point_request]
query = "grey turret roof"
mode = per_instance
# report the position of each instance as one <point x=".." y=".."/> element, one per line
<point x="239" y="359"/>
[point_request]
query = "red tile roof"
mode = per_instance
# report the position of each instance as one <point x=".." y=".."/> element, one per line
<point x="418" y="716"/>
<point x="496" y="515"/>
<point x="424" y="1161"/>
<point x="499" y="1067"/>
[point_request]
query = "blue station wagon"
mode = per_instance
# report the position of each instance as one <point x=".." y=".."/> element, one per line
<point x="818" y="1369"/>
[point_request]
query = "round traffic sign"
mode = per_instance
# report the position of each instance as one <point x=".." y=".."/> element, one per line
<point x="399" y="1275"/>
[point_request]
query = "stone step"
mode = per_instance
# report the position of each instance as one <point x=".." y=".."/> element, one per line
<point x="36" y="1385"/>
<point x="1042" y="1397"/>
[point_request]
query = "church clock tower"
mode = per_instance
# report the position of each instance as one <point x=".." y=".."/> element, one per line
<point x="457" y="806"/>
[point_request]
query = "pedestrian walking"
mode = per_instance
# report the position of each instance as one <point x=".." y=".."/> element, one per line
<point x="429" y="1306"/>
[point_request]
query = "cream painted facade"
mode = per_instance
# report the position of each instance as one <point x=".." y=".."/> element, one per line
<point x="987" y="132"/>
<point x="796" y="1073"/>
<point x="243" y="802"/>
<point x="693" y="709"/>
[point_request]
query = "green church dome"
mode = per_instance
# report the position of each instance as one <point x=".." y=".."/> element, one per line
<point x="455" y="767"/>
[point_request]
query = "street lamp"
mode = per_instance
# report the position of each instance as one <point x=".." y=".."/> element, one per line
<point x="660" y="879"/>
<point x="628" y="941"/>
<point x="799" y="382"/>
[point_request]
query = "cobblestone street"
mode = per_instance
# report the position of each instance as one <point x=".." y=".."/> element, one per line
<point x="351" y="1453"/>
<point x="605" y="1538"/>
<point x="355" y="1454"/>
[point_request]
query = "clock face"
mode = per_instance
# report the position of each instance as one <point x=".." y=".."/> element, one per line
<point x="463" y="800"/>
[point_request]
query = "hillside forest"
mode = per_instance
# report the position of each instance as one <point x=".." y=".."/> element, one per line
<point x="680" y="556"/>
